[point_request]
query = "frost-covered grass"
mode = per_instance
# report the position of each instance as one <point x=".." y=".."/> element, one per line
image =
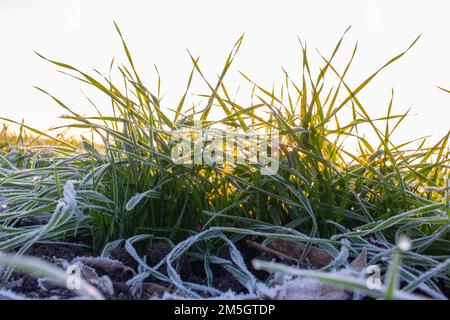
<point x="127" y="188"/>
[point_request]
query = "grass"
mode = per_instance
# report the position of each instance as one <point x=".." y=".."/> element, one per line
<point x="127" y="188"/>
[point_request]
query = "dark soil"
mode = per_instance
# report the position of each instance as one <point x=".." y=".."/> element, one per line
<point x="121" y="267"/>
<point x="50" y="252"/>
<point x="123" y="256"/>
<point x="31" y="287"/>
<point x="79" y="250"/>
<point x="157" y="252"/>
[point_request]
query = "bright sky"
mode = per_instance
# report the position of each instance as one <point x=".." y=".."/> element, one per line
<point x="159" y="32"/>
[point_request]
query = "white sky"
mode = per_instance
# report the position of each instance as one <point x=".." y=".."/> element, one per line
<point x="81" y="33"/>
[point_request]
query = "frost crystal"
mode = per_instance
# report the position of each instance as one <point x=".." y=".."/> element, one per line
<point x="69" y="197"/>
<point x="404" y="243"/>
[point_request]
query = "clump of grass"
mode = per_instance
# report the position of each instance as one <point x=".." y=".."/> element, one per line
<point x="323" y="192"/>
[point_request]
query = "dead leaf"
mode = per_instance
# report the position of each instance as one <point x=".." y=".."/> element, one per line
<point x="316" y="256"/>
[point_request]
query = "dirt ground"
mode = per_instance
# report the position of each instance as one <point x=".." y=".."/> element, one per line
<point x="111" y="275"/>
<point x="192" y="271"/>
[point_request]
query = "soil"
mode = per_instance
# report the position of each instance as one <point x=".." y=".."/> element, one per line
<point x="50" y="252"/>
<point x="192" y="271"/>
<point x="121" y="267"/>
